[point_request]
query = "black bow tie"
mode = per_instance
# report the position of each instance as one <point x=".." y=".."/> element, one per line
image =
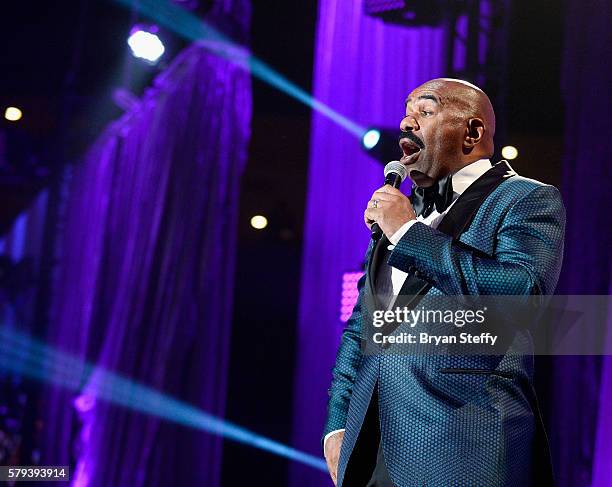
<point x="439" y="195"/>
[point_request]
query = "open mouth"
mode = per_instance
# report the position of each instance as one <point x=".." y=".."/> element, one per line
<point x="411" y="151"/>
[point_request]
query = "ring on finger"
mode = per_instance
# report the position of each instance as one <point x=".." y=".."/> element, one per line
<point x="375" y="204"/>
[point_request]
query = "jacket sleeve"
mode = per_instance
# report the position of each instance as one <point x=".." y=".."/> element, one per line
<point x="347" y="363"/>
<point x="527" y="258"/>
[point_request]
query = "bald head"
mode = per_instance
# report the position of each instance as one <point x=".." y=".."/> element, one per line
<point x="452" y="122"/>
<point x="468" y="101"/>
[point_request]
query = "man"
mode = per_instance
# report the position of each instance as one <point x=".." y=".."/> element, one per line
<point x="470" y="228"/>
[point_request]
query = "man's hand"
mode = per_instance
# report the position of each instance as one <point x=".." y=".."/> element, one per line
<point x="390" y="208"/>
<point x="332" y="453"/>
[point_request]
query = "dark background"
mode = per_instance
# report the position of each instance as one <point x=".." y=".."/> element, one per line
<point x="60" y="62"/>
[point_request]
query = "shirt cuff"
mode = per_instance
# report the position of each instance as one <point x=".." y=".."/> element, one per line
<point x="397" y="236"/>
<point x="327" y="436"/>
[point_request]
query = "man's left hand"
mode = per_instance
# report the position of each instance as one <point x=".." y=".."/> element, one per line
<point x="391" y="210"/>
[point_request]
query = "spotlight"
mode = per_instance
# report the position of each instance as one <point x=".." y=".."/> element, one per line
<point x="370" y="138"/>
<point x="145" y="45"/>
<point x="191" y="28"/>
<point x="12" y="114"/>
<point x="259" y="222"/>
<point x="509" y="152"/>
<point x="381" y="144"/>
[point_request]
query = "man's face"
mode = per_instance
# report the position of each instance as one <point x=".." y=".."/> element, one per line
<point x="433" y="143"/>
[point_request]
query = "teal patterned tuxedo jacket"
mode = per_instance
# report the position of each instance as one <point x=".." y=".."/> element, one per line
<point x="458" y="420"/>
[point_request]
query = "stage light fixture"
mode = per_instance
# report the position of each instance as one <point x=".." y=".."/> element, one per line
<point x="382" y="144"/>
<point x="370" y="138"/>
<point x="259" y="222"/>
<point x="145" y="44"/>
<point x="509" y="152"/>
<point x="13" y="114"/>
<point x="190" y="27"/>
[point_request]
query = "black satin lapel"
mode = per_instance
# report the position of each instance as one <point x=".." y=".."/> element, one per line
<point x="374" y="262"/>
<point x="412" y="288"/>
<point x="461" y="214"/>
<point x="458" y="220"/>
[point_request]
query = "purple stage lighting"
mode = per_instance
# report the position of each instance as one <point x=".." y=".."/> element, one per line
<point x="145" y="44"/>
<point x="349" y="294"/>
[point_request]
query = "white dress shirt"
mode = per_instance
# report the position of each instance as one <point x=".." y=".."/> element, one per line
<point x="462" y="179"/>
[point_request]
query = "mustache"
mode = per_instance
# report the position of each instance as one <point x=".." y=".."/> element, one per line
<point x="413" y="138"/>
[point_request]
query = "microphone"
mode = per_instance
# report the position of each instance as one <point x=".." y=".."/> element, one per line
<point x="395" y="173"/>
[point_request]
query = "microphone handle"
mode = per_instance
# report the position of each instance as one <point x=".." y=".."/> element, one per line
<point x="394" y="180"/>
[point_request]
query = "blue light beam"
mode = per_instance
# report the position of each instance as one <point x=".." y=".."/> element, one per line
<point x="190" y="27"/>
<point x="25" y="356"/>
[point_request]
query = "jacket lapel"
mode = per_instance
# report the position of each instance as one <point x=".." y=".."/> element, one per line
<point x="461" y="214"/>
<point x="375" y="262"/>
<point x="458" y="220"/>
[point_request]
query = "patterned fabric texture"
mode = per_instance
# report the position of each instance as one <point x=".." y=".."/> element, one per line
<point x="477" y="425"/>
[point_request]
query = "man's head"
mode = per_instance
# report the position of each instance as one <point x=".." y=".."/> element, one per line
<point x="449" y="124"/>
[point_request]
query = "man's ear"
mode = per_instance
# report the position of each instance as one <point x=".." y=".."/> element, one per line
<point x="473" y="132"/>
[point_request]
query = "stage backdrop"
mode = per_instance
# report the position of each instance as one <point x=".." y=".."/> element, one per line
<point x="364" y="69"/>
<point x="581" y="430"/>
<point x="145" y="274"/>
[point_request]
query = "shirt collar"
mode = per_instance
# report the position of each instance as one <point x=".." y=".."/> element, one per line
<point x="465" y="176"/>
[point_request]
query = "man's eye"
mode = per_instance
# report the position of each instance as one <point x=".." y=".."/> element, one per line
<point x="425" y="113"/>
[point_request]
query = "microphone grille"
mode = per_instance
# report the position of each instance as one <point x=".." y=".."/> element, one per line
<point x="398" y="168"/>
